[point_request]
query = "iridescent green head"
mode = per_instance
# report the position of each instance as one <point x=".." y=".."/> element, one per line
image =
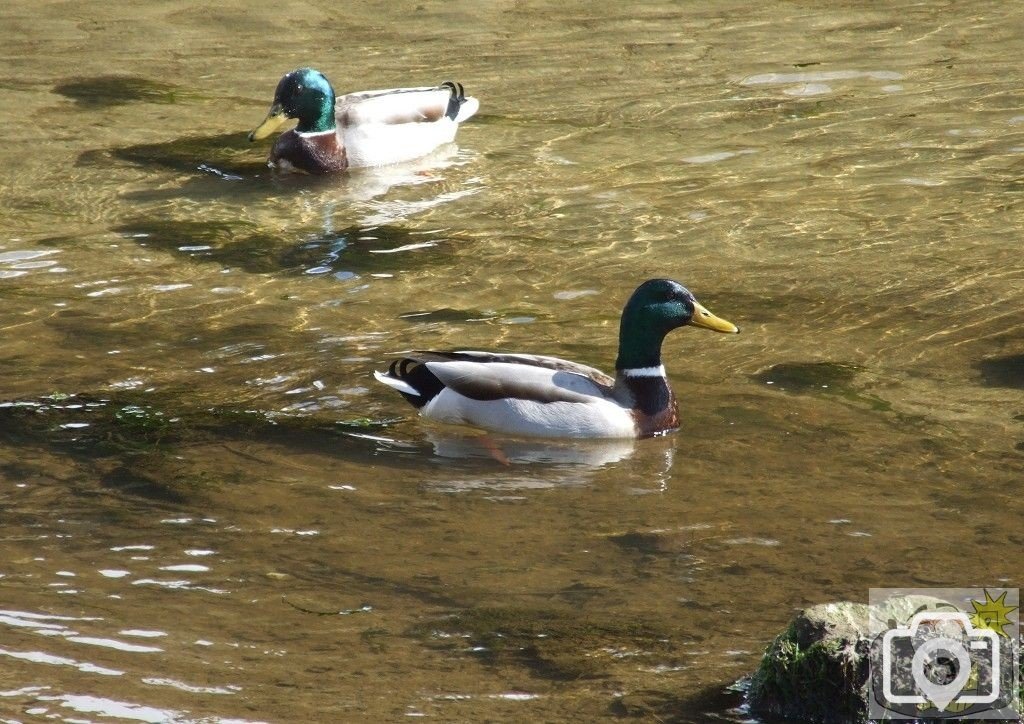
<point x="656" y="308"/>
<point x="304" y="94"/>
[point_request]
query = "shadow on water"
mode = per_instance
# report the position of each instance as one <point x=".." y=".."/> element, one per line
<point x="832" y="379"/>
<point x="557" y="643"/>
<point x="1005" y="371"/>
<point x="129" y="423"/>
<point x="230" y="157"/>
<point x="104" y="91"/>
<point x="807" y="377"/>
<point x="227" y="155"/>
<point x="552" y="642"/>
<point x="712" y="704"/>
<point x="132" y="441"/>
<point x="227" y="166"/>
<point x="250" y="247"/>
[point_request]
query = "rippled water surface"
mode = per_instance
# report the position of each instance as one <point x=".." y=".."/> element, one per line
<point x="212" y="513"/>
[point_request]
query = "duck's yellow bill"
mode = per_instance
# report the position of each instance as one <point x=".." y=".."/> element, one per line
<point x="703" y="318"/>
<point x="274" y="120"/>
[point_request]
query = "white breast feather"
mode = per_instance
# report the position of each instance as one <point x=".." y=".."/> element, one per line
<point x="600" y="418"/>
<point x="379" y="144"/>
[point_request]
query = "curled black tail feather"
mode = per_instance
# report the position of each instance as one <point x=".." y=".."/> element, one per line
<point x="415" y="374"/>
<point x="457" y="99"/>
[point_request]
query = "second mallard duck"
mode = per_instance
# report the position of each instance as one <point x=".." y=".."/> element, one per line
<point x="522" y="394"/>
<point x="371" y="128"/>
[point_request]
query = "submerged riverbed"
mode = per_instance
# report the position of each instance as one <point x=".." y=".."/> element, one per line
<point x="211" y="511"/>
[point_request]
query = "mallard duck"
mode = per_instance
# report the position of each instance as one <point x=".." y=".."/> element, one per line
<point x="371" y="128"/>
<point x="521" y="394"/>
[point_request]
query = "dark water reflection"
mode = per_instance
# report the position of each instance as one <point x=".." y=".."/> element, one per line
<point x="1005" y="371"/>
<point x="229" y="155"/>
<point x="113" y="90"/>
<point x="344" y="253"/>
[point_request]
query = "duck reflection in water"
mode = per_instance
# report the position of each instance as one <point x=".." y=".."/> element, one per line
<point x="510" y="463"/>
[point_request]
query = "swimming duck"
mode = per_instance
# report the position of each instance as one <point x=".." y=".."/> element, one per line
<point x="521" y="394"/>
<point x="371" y="128"/>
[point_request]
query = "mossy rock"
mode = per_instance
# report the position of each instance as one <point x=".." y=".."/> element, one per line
<point x="817" y="669"/>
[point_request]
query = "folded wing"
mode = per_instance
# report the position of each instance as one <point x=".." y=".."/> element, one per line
<point x="403" y="105"/>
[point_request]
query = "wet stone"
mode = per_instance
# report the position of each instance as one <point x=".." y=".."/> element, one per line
<point x="817" y="669"/>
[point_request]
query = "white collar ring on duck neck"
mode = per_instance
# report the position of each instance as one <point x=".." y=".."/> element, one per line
<point x="658" y="371"/>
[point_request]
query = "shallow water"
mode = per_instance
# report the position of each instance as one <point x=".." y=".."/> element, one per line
<point x="212" y="513"/>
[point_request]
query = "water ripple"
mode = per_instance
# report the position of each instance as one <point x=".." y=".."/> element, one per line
<point x="38" y="657"/>
<point x="819" y="76"/>
<point x="114" y="644"/>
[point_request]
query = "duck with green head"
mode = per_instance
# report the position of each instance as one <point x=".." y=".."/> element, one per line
<point x="521" y="394"/>
<point x="370" y="128"/>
